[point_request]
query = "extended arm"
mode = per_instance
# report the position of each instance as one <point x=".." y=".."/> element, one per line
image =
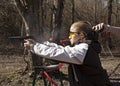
<point x="53" y="51"/>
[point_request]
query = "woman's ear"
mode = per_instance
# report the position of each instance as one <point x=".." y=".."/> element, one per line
<point x="82" y="35"/>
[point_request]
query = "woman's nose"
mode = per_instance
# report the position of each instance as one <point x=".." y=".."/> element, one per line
<point x="69" y="37"/>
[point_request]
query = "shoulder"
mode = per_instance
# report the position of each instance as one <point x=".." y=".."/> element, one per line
<point x="82" y="45"/>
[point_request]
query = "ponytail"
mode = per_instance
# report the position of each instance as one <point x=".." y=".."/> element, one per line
<point x="93" y="36"/>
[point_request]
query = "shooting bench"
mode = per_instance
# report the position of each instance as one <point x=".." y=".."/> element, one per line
<point x="47" y="72"/>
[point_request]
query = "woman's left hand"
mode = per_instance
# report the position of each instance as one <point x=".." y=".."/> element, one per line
<point x="28" y="43"/>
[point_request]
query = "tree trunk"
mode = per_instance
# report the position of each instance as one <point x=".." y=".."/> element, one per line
<point x="32" y="12"/>
<point x="73" y="10"/>
<point x="29" y="10"/>
<point x="57" y="19"/>
<point x="109" y="11"/>
<point x="95" y="12"/>
<point x="117" y="13"/>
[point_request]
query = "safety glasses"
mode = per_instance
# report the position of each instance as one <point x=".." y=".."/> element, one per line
<point x="72" y="34"/>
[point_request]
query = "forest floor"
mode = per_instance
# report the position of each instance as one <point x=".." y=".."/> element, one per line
<point x="11" y="67"/>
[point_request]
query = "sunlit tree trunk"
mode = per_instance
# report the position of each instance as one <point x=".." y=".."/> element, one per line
<point x="29" y="10"/>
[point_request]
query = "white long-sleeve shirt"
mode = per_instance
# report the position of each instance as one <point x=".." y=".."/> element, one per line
<point x="67" y="54"/>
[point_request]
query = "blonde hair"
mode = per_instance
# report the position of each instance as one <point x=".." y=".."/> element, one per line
<point x="81" y="26"/>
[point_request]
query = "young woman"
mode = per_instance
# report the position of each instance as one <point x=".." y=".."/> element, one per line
<point x="82" y="56"/>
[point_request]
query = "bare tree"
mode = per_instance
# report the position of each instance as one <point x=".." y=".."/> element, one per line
<point x="73" y="10"/>
<point x="117" y="12"/>
<point x="57" y="19"/>
<point x="109" y="11"/>
<point x="29" y="11"/>
<point x="32" y="13"/>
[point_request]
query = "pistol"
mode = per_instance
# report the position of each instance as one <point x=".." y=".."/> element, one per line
<point x="21" y="38"/>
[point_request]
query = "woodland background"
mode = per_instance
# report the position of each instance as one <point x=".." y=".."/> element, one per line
<point x="46" y="18"/>
<point x="51" y="18"/>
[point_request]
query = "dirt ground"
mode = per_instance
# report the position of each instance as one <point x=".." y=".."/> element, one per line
<point x="11" y="67"/>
